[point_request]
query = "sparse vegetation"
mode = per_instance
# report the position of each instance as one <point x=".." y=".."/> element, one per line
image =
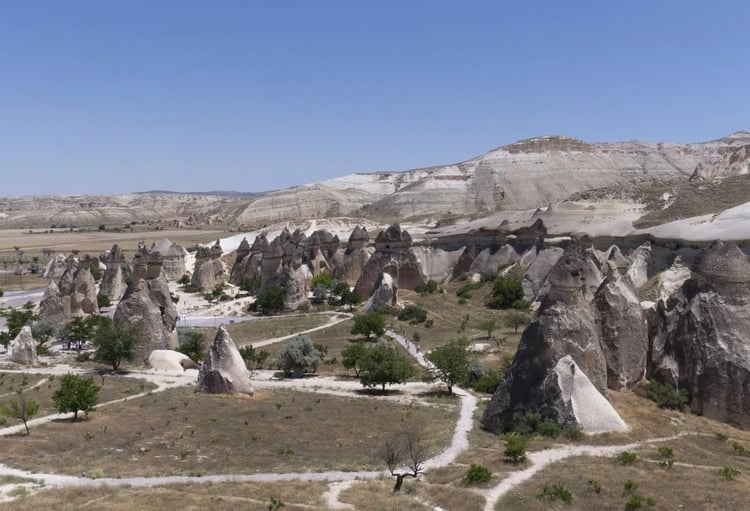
<point x="664" y="394"/>
<point x="556" y="493"/>
<point x="20" y="408"/>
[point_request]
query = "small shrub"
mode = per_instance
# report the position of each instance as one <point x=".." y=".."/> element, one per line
<point x="630" y="486"/>
<point x="429" y="323"/>
<point x="729" y="473"/>
<point x="103" y="301"/>
<point x="430" y="287"/>
<point x="664" y="395"/>
<point x="556" y="492"/>
<point x="595" y="485"/>
<point x="413" y="314"/>
<point x="637" y="502"/>
<point x="464" y="292"/>
<point x="740" y="449"/>
<point x="627" y="457"/>
<point x="477" y="474"/>
<point x="515" y="447"/>
<point x="721" y="437"/>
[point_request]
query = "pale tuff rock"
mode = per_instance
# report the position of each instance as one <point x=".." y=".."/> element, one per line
<point x="74" y="295"/>
<point x="55" y="267"/>
<point x="637" y="271"/>
<point x="590" y="408"/>
<point x="736" y="163"/>
<point x="113" y="283"/>
<point x="170" y="360"/>
<point x="224" y="371"/>
<point x="624" y="332"/>
<point x="173" y="258"/>
<point x="209" y="268"/>
<point x="385" y="294"/>
<point x="147" y="301"/>
<point x="22" y="349"/>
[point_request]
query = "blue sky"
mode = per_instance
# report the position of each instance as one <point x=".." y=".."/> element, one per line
<point x="113" y="97"/>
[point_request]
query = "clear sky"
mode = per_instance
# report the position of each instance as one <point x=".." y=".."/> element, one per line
<point x="112" y="97"/>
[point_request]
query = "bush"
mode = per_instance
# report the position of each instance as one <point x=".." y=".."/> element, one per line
<point x="254" y="359"/>
<point x="556" y="492"/>
<point x="515" y="447"/>
<point x="627" y="457"/>
<point x="272" y="300"/>
<point x="413" y="314"/>
<point x="477" y="474"/>
<point x="192" y="343"/>
<point x="298" y="357"/>
<point x="384" y="365"/>
<point x="595" y="485"/>
<point x="103" y="301"/>
<point x="488" y="383"/>
<point x="464" y="292"/>
<point x="532" y="423"/>
<point x="505" y="292"/>
<point x="430" y="287"/>
<point x="729" y="473"/>
<point x="664" y="395"/>
<point x="637" y="502"/>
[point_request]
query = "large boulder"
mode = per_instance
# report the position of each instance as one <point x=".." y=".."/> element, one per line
<point x="170" y="360"/>
<point x="224" y="371"/>
<point x="385" y="294"/>
<point x="22" y="349"/>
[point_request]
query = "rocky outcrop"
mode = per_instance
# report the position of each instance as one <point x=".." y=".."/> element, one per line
<point x="566" y="325"/>
<point x="393" y="256"/>
<point x="113" y="283"/>
<point x="55" y="267"/>
<point x="736" y="163"/>
<point x="209" y="269"/>
<point x="147" y="302"/>
<point x="637" y="269"/>
<point x="173" y="258"/>
<point x="385" y="294"/>
<point x="224" y="371"/>
<point x="74" y="295"/>
<point x="22" y="349"/>
<point x="349" y="264"/>
<point x="624" y="332"/>
<point x="699" y="336"/>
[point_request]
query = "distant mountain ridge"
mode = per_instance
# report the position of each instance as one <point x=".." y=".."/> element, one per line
<point x="524" y="175"/>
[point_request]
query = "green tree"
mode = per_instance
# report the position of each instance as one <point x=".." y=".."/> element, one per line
<point x="76" y="394"/>
<point x="489" y="326"/>
<point x="272" y="300"/>
<point x="516" y="319"/>
<point x="298" y="357"/>
<point x="21" y="409"/>
<point x="451" y="362"/>
<point x="254" y="359"/>
<point x="42" y="330"/>
<point x="505" y="292"/>
<point x="192" y="343"/>
<point x="15" y="319"/>
<point x="353" y="355"/>
<point x="369" y="324"/>
<point x="115" y="345"/>
<point x="384" y="365"/>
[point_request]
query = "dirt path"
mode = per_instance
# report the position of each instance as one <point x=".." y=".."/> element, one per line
<point x="339" y="318"/>
<point x="540" y="459"/>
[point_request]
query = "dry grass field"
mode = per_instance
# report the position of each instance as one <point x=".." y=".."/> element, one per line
<point x="179" y="432"/>
<point x="295" y="495"/>
<point x="40" y="388"/>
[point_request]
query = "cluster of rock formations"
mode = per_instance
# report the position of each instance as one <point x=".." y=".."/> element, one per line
<point x="147" y="301"/>
<point x="291" y="260"/>
<point x="73" y="295"/>
<point x="590" y="311"/>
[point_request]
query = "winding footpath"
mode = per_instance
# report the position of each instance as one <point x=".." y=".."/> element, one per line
<point x="339" y="480"/>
